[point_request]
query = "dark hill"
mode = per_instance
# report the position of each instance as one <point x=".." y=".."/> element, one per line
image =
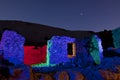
<point x="37" y="34"/>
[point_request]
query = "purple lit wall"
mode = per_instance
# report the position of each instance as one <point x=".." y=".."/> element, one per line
<point x="12" y="44"/>
<point x="1" y="49"/>
<point x="58" y="49"/>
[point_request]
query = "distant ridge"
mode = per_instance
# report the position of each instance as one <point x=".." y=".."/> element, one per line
<point x="37" y="34"/>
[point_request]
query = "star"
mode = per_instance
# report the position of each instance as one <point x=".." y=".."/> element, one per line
<point x="81" y="14"/>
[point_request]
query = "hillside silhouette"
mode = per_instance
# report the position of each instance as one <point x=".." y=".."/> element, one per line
<point x="38" y="34"/>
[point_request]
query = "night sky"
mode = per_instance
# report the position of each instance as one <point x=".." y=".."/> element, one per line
<point x="94" y="15"/>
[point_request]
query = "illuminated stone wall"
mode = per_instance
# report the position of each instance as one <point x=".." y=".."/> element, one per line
<point x="34" y="56"/>
<point x="116" y="37"/>
<point x="47" y="61"/>
<point x="12" y="44"/>
<point x="96" y="49"/>
<point x="1" y="49"/>
<point x="58" y="49"/>
<point x="83" y="57"/>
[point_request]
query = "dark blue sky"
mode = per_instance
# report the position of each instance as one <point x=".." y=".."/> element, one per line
<point x="95" y="15"/>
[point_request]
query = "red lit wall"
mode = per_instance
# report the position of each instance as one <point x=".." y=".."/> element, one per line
<point x="34" y="56"/>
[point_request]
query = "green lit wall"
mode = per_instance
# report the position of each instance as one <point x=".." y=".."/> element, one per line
<point x="47" y="63"/>
<point x="116" y="37"/>
<point x="96" y="49"/>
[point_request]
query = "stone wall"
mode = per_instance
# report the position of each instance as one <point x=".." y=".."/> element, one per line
<point x="12" y="44"/>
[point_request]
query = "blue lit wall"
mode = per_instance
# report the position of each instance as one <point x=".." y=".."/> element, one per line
<point x="100" y="47"/>
<point x="1" y="49"/>
<point x="12" y="44"/>
<point x="83" y="57"/>
<point x="58" y="49"/>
